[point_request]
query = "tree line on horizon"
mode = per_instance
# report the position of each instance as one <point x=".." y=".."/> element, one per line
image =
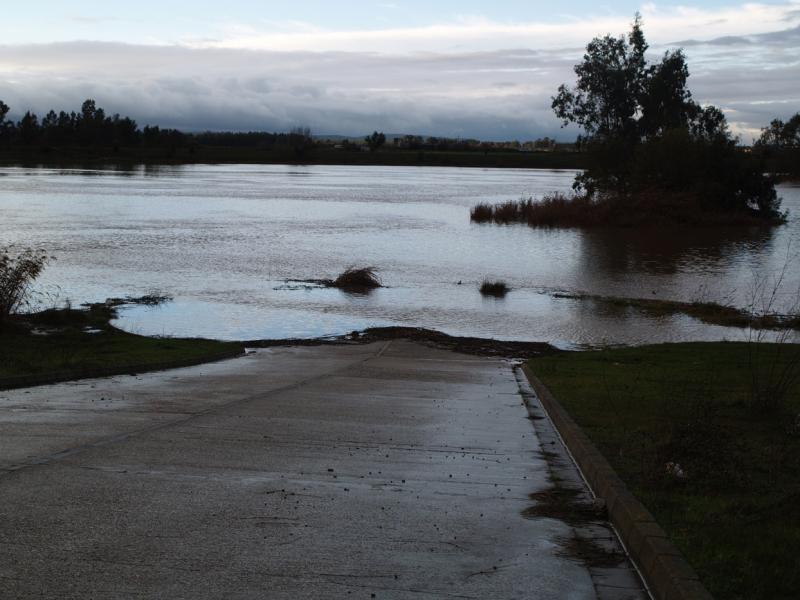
<point x="91" y="126"/>
<point x="779" y="146"/>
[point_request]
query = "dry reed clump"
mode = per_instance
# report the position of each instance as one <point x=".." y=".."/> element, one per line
<point x="482" y="213"/>
<point x="554" y="210"/>
<point x="642" y="208"/>
<point x="17" y="274"/>
<point x="497" y="289"/>
<point x="357" y="279"/>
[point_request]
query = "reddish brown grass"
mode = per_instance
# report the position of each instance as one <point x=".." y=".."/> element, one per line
<point x="559" y="210"/>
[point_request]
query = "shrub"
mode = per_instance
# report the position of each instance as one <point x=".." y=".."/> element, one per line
<point x="645" y="134"/>
<point x="17" y="274"/>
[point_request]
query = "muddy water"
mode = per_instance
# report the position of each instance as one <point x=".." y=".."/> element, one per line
<point x="223" y="239"/>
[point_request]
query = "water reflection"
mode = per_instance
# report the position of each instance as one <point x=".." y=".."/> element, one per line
<point x="671" y="250"/>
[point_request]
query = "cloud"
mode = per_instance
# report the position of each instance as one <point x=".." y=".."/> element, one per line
<point x="783" y="37"/>
<point x="479" y="94"/>
<point x="472" y="78"/>
<point x="476" y="32"/>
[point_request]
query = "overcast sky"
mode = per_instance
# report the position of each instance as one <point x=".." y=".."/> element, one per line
<point x="458" y="68"/>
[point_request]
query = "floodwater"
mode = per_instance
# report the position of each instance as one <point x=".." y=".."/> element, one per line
<point x="223" y="239"/>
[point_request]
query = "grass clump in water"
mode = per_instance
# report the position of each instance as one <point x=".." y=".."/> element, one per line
<point x="555" y="210"/>
<point x="646" y="207"/>
<point x="357" y="279"/>
<point x="496" y="289"/>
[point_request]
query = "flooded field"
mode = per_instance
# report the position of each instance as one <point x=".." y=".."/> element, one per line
<point x="224" y="240"/>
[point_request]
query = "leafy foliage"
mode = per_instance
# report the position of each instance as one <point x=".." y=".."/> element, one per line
<point x="780" y="134"/>
<point x="779" y="147"/>
<point x="375" y="141"/>
<point x="645" y="133"/>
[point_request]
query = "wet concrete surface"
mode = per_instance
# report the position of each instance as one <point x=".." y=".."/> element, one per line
<point x="390" y="470"/>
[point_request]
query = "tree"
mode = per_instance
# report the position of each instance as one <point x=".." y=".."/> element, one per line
<point x="28" y="129"/>
<point x="709" y="124"/>
<point x="375" y="141"/>
<point x="619" y="97"/>
<point x="645" y="134"/>
<point x="125" y="131"/>
<point x="665" y="101"/>
<point x="610" y="80"/>
<point x="5" y="125"/>
<point x="780" y="134"/>
<point x="300" y="140"/>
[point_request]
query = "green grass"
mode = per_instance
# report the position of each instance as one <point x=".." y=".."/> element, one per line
<point x="68" y="350"/>
<point x="736" y="514"/>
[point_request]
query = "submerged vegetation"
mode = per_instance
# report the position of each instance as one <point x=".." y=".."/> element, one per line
<point x="707" y="312"/>
<point x="496" y="289"/>
<point x="357" y="278"/>
<point x="721" y="475"/>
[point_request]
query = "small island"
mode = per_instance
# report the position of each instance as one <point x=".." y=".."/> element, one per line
<point x="655" y="156"/>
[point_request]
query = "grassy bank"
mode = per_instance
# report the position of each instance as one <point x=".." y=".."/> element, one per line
<point x="721" y="476"/>
<point x="70" y="344"/>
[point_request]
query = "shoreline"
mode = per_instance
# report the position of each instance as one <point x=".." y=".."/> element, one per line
<point x="58" y="345"/>
<point x="325" y="157"/>
<point x="488" y="347"/>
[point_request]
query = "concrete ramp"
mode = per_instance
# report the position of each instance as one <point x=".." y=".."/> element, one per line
<point x="389" y="470"/>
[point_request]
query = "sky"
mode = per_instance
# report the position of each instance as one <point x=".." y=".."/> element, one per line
<point x="466" y="68"/>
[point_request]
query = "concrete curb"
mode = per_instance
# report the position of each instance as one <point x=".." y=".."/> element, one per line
<point x="666" y="572"/>
<point x="25" y="381"/>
